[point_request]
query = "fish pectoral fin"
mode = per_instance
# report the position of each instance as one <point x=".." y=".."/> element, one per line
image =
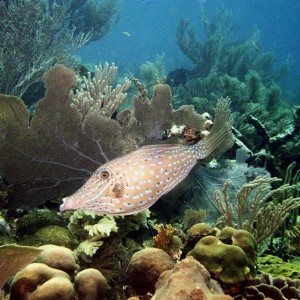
<point x="118" y="189"/>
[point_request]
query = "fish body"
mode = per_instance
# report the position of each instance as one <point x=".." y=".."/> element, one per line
<point x="134" y="182"/>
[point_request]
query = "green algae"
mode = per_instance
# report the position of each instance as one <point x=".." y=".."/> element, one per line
<point x="276" y="267"/>
<point x="36" y="219"/>
<point x="51" y="234"/>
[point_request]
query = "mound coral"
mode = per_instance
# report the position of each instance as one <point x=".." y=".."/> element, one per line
<point x="188" y="280"/>
<point x="195" y="233"/>
<point x="228" y="263"/>
<point x="51" y="234"/>
<point x="150" y="261"/>
<point x="60" y="258"/>
<point x="36" y="219"/>
<point x="50" y="277"/>
<point x="39" y="281"/>
<point x="13" y="258"/>
<point x="90" y="284"/>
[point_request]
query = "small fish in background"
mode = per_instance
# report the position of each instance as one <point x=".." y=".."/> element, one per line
<point x="126" y="33"/>
<point x="134" y="182"/>
<point x="148" y="1"/>
<point x="256" y="46"/>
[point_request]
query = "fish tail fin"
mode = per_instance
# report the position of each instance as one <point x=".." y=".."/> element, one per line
<point x="220" y="139"/>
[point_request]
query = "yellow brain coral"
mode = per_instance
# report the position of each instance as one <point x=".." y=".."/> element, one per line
<point x="227" y="263"/>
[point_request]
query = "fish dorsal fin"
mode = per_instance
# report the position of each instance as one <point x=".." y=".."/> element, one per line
<point x="147" y="147"/>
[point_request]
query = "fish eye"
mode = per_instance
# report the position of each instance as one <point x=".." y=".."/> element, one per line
<point x="104" y="174"/>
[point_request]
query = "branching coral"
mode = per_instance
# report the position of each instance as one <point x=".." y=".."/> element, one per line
<point x="192" y="217"/>
<point x="219" y="53"/>
<point x="45" y="34"/>
<point x="168" y="241"/>
<point x="255" y="213"/>
<point x="97" y="93"/>
<point x="153" y="72"/>
<point x="52" y="152"/>
<point x="225" y="65"/>
<point x="164" y="236"/>
<point x="150" y="118"/>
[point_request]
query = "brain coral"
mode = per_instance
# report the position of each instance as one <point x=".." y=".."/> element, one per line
<point x="227" y="263"/>
<point x="57" y="257"/>
<point x="39" y="281"/>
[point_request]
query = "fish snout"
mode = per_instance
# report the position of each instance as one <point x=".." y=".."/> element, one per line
<point x="66" y="205"/>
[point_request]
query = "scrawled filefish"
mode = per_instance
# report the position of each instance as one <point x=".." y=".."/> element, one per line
<point x="134" y="182"/>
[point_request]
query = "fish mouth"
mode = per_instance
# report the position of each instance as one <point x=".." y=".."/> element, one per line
<point x="64" y="205"/>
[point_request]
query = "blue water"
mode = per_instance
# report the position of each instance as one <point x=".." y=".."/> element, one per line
<point x="152" y="26"/>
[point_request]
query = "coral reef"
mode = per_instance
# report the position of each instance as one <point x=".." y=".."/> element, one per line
<point x="13" y="258"/>
<point x="263" y="216"/>
<point x="150" y="261"/>
<point x="50" y="277"/>
<point x="97" y="94"/>
<point x="276" y="267"/>
<point x="39" y="281"/>
<point x="192" y="217"/>
<point x="266" y="287"/>
<point x="90" y="284"/>
<point x="59" y="27"/>
<point x="230" y="257"/>
<point x="76" y="144"/>
<point x="222" y="62"/>
<point x="167" y="240"/>
<point x="188" y="280"/>
<point x="73" y="148"/>
<point x="51" y="234"/>
<point x="36" y="219"/>
<point x="234" y="67"/>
